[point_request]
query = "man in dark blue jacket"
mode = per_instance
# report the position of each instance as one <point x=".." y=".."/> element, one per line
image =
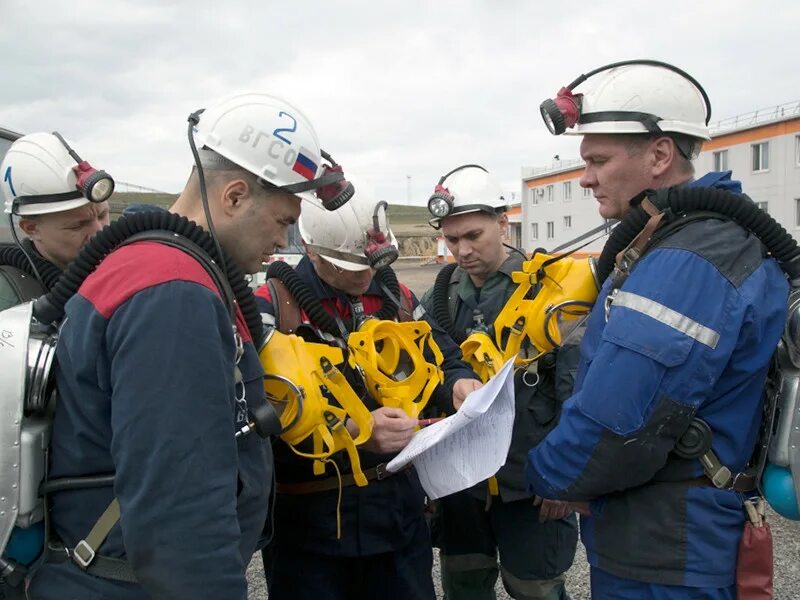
<point x="497" y="526"/>
<point x="154" y="380"/>
<point x="688" y="333"/>
<point x="372" y="541"/>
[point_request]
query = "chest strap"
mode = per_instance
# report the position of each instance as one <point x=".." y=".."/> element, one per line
<point x="85" y="556"/>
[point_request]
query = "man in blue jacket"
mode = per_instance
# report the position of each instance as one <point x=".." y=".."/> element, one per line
<point x="688" y="334"/>
<point x="154" y="381"/>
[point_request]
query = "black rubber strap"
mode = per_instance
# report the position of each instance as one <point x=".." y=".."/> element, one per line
<point x="649" y="121"/>
<point x="45" y="198"/>
<point x="105" y="567"/>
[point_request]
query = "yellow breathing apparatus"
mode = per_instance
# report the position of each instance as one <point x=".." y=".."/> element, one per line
<point x="568" y="289"/>
<point x="297" y="372"/>
<point x="390" y="357"/>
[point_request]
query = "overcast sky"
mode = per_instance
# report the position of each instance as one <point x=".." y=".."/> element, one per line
<point x="396" y="89"/>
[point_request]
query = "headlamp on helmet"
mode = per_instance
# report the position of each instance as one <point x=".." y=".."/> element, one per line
<point x="95" y="185"/>
<point x="335" y="194"/>
<point x="380" y="251"/>
<point x="561" y="113"/>
<point x="440" y="204"/>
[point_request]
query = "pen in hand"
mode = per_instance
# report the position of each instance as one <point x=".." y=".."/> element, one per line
<point x="431" y="421"/>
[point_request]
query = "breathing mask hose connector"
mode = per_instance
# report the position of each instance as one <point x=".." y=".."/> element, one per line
<point x="683" y="200"/>
<point x="50" y="308"/>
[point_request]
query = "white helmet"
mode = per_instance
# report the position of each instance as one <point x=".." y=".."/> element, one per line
<point x="465" y="189"/>
<point x="631" y="97"/>
<point x="354" y="237"/>
<point x="42" y="174"/>
<point x="273" y="140"/>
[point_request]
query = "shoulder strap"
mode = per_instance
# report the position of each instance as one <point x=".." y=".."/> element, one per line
<point x="288" y="316"/>
<point x="406" y="312"/>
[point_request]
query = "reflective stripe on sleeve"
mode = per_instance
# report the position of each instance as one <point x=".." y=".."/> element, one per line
<point x="666" y="315"/>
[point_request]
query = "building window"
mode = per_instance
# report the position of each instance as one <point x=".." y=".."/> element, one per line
<point x="721" y="160"/>
<point x="797" y="150"/>
<point x="587" y="192"/>
<point x="551" y="230"/>
<point x="534" y="231"/>
<point x="535" y="196"/>
<point x="567" y="191"/>
<point x="763" y="206"/>
<point x="568" y="222"/>
<point x="760" y="156"/>
<point x="549" y="194"/>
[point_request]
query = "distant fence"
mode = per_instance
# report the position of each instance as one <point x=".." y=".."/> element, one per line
<point x="756" y="117"/>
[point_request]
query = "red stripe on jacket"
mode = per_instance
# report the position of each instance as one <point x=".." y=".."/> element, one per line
<point x="131" y="269"/>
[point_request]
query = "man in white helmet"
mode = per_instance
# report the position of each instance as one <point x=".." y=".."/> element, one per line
<point x="45" y="191"/>
<point x="157" y="371"/>
<point x="676" y="350"/>
<point x="536" y="544"/>
<point x="383" y="550"/>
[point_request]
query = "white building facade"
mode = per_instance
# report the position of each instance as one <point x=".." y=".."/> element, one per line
<point x="761" y="148"/>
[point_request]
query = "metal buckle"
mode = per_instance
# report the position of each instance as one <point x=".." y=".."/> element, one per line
<point x="629" y="257"/>
<point x="380" y="471"/>
<point x="609" y="301"/>
<point x="83" y="554"/>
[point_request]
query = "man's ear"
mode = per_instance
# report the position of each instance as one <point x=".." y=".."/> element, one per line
<point x="502" y="221"/>
<point x="312" y="256"/>
<point x="236" y="195"/>
<point x="664" y="153"/>
<point x="30" y="227"/>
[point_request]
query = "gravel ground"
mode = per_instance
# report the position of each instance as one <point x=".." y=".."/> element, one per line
<point x="786" y="534"/>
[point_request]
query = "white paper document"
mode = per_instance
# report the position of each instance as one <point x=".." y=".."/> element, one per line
<point x="467" y="447"/>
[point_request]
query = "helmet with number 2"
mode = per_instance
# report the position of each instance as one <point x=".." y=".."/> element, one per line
<point x="275" y="141"/>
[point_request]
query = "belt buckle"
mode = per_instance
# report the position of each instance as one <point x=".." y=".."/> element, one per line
<point x="83" y="554"/>
<point x="380" y="471"/>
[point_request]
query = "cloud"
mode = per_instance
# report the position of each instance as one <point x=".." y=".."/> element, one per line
<point x="398" y="89"/>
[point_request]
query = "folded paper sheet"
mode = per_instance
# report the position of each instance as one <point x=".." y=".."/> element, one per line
<point x="467" y="447"/>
